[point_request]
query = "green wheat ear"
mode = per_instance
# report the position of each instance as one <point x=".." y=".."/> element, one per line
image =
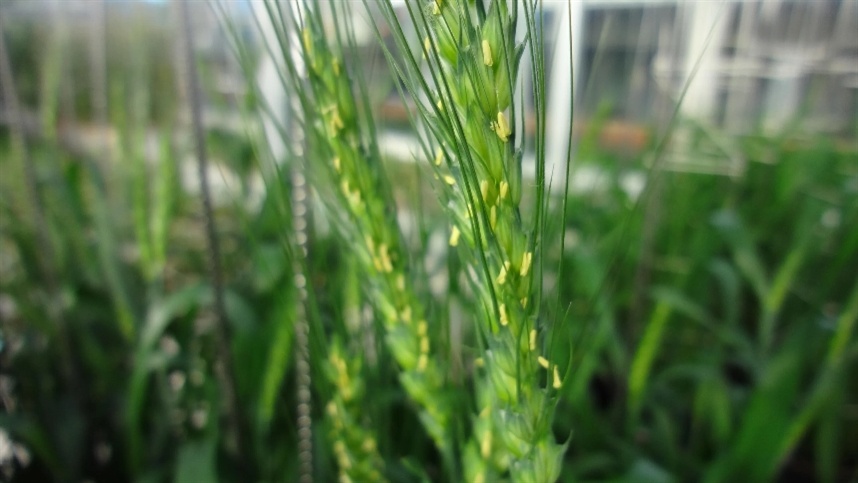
<point x="355" y="447"/>
<point x="350" y="171"/>
<point x="473" y="66"/>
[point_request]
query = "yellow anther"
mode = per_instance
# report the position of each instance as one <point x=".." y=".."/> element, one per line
<point x="422" y="362"/>
<point x="339" y="448"/>
<point x="424" y="345"/>
<point x="526" y="260"/>
<point x="427" y="45"/>
<point x="504" y="189"/>
<point x="557" y="381"/>
<point x="449" y="180"/>
<point x="422" y="328"/>
<point x="533" y="339"/>
<point x="484" y="190"/>
<point x="479" y="362"/>
<point x="454" y="236"/>
<point x="368" y="445"/>
<point x="439" y="156"/>
<point x="337" y="164"/>
<point x="406" y="315"/>
<point x="385" y="258"/>
<point x="502" y="275"/>
<point x="308" y="40"/>
<point x="502" y="127"/>
<point x="335" y="122"/>
<point x="493" y="216"/>
<point x="440" y="105"/>
<point x="543" y="362"/>
<point x="354" y="199"/>
<point x="487" y="53"/>
<point x="524" y="303"/>
<point x="480" y="478"/>
<point x="332" y="409"/>
<point x="486" y="445"/>
<point x="504" y="320"/>
<point x="400" y="282"/>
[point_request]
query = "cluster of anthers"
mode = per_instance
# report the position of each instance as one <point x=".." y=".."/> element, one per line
<point x="406" y="331"/>
<point x="478" y="62"/>
<point x="355" y="448"/>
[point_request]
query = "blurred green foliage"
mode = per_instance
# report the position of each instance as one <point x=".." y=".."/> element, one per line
<point x="738" y="366"/>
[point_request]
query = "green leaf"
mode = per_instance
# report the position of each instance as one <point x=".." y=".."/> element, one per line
<point x="647" y="471"/>
<point x="645" y="354"/>
<point x="161" y="313"/>
<point x="753" y="454"/>
<point x="240" y="314"/>
<point x="279" y="359"/>
<point x="683" y="305"/>
<point x="713" y="410"/>
<point x="845" y="329"/>
<point x="196" y="462"/>
<point x="729" y="282"/>
<point x="744" y="252"/>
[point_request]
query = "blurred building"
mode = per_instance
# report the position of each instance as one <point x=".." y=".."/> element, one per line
<point x="736" y="66"/>
<point x="752" y="64"/>
<point x="733" y="67"/>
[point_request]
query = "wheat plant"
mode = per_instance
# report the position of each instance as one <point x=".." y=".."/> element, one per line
<point x="472" y="57"/>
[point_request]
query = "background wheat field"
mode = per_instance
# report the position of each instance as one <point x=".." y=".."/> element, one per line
<point x="428" y="240"/>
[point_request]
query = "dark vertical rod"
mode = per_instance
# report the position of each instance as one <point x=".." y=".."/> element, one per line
<point x="300" y="221"/>
<point x="302" y="330"/>
<point x="225" y="366"/>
